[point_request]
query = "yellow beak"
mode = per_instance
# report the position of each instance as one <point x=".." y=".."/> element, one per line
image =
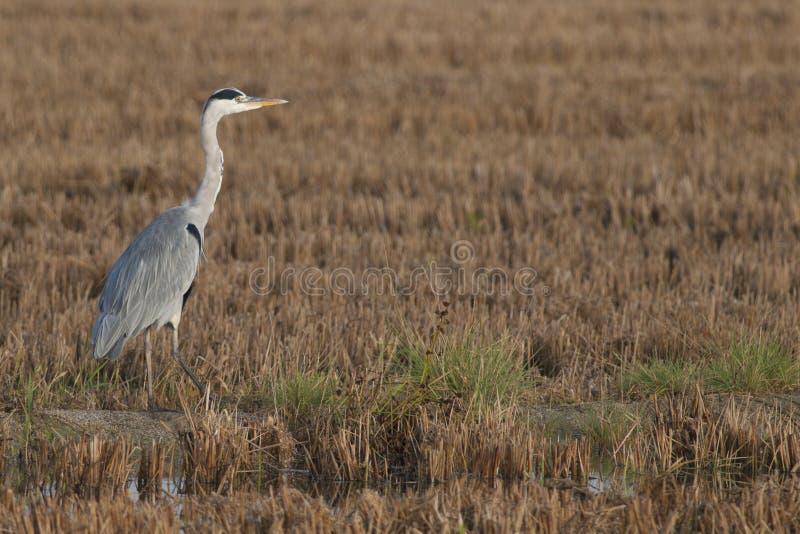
<point x="254" y="102"/>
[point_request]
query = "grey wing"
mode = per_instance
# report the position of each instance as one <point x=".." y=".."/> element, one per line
<point x="146" y="284"/>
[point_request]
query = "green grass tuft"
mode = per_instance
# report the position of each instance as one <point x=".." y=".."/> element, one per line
<point x="304" y="393"/>
<point x="746" y="366"/>
<point x="660" y="376"/>
<point x="483" y="374"/>
<point x="753" y="366"/>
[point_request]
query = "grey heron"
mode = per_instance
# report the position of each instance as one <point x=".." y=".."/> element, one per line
<point x="149" y="283"/>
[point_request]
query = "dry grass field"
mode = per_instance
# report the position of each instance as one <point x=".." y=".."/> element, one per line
<point x="627" y="171"/>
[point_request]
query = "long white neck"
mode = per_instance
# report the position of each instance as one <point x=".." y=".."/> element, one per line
<point x="206" y="196"/>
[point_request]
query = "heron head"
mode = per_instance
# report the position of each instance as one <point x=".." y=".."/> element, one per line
<point x="230" y="100"/>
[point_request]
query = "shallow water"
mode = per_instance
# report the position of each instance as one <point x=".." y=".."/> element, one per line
<point x="333" y="491"/>
<point x="168" y="487"/>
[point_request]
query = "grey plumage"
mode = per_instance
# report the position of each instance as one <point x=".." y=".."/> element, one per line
<point x="148" y="284"/>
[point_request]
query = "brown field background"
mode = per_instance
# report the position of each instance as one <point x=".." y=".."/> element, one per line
<point x="642" y="158"/>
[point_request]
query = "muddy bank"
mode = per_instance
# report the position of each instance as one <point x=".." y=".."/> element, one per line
<point x="140" y="427"/>
<point x="167" y="425"/>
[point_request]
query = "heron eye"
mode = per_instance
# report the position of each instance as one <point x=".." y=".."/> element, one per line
<point x="239" y="99"/>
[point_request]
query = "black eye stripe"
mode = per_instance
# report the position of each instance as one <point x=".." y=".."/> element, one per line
<point x="226" y="94"/>
<point x="223" y="94"/>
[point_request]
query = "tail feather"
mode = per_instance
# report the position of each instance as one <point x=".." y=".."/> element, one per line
<point x="108" y="337"/>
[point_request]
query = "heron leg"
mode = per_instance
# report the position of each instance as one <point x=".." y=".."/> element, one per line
<point x="183" y="365"/>
<point x="148" y="356"/>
